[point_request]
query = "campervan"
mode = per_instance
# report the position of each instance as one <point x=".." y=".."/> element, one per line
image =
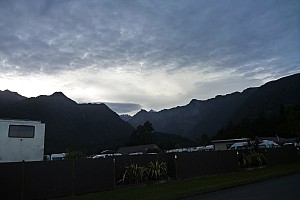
<point x="268" y="144"/>
<point x="21" y="140"/>
<point x="239" y="146"/>
<point x="58" y="156"/>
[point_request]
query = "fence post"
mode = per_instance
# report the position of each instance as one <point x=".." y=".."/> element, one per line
<point x="220" y="162"/>
<point x="23" y="180"/>
<point x="73" y="177"/>
<point x="176" y="167"/>
<point x="114" y="173"/>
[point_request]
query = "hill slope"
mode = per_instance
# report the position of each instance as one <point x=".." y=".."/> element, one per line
<point x="70" y="125"/>
<point x="7" y="97"/>
<point x="199" y="117"/>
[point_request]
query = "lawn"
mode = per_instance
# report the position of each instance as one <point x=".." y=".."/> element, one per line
<point x="177" y="189"/>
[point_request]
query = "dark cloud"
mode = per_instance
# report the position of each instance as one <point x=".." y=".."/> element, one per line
<point x="253" y="39"/>
<point x="175" y="34"/>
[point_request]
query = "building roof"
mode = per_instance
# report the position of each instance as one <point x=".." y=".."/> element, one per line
<point x="231" y="140"/>
<point x="136" y="149"/>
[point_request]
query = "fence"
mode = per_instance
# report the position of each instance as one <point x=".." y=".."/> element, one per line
<point x="40" y="180"/>
<point x="282" y="155"/>
<point x="188" y="165"/>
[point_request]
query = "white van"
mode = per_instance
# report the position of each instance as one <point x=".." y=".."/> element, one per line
<point x="266" y="144"/>
<point x="239" y="146"/>
<point x="58" y="156"/>
<point x="21" y="140"/>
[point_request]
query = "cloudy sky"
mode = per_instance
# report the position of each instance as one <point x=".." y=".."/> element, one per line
<point x="146" y="54"/>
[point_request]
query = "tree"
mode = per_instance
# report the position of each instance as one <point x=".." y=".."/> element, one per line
<point x="283" y="123"/>
<point x="148" y="126"/>
<point x="142" y="135"/>
<point x="294" y="121"/>
<point x="204" y="140"/>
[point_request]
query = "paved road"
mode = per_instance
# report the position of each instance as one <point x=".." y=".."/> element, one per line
<point x="287" y="187"/>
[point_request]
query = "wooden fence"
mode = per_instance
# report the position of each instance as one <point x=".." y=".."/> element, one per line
<point x="40" y="180"/>
<point x="51" y="179"/>
<point x="189" y="165"/>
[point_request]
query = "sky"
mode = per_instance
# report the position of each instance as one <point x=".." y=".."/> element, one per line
<point x="142" y="54"/>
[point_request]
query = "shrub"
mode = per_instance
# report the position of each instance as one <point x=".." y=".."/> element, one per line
<point x="138" y="174"/>
<point x="74" y="155"/>
<point x="254" y="159"/>
<point x="134" y="174"/>
<point x="157" y="170"/>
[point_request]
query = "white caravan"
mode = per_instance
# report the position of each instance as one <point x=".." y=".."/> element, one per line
<point x="21" y="140"/>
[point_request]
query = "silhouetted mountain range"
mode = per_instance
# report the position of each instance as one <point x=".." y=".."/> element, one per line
<point x="68" y="125"/>
<point x="207" y="117"/>
<point x="90" y="126"/>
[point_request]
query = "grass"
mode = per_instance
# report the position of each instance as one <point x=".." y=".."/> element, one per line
<point x="185" y="188"/>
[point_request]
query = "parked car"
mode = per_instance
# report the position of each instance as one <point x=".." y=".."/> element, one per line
<point x="58" y="156"/>
<point x="291" y="144"/>
<point x="267" y="144"/>
<point x="106" y="155"/>
<point x="239" y="146"/>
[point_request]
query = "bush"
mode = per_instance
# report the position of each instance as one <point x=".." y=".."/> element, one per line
<point x="134" y="174"/>
<point x="157" y="170"/>
<point x="254" y="159"/>
<point x="138" y="174"/>
<point x="74" y="155"/>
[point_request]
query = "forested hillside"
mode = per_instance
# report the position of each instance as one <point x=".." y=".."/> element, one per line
<point x="208" y="117"/>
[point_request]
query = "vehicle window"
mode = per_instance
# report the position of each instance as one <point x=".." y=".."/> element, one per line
<point x="21" y="131"/>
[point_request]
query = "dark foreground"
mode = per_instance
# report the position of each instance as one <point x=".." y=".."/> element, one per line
<point x="286" y="187"/>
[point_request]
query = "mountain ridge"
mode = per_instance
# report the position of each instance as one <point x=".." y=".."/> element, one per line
<point x="208" y="116"/>
<point x="70" y="125"/>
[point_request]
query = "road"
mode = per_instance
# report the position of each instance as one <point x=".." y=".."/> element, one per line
<point x="287" y="187"/>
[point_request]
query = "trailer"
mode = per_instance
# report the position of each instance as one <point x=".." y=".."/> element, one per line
<point x="21" y="140"/>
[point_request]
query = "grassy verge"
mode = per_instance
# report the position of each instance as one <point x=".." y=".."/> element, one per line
<point x="184" y="188"/>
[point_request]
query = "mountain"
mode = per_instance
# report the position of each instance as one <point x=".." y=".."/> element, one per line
<point x="199" y="117"/>
<point x="90" y="126"/>
<point x="269" y="97"/>
<point x="183" y="119"/>
<point x="171" y="141"/>
<point x="125" y="117"/>
<point x="68" y="125"/>
<point x="7" y="97"/>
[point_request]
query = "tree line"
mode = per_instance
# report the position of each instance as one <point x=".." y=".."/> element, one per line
<point x="285" y="123"/>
